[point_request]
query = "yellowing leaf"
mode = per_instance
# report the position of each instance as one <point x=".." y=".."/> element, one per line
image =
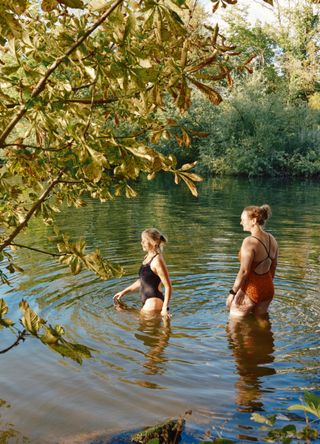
<point x="188" y="166"/>
<point x="212" y="94"/>
<point x="32" y="321"/>
<point x="48" y="337"/>
<point x="95" y="5"/>
<point x="77" y="4"/>
<point x="6" y="323"/>
<point x="188" y="182"/>
<point x="49" y="5"/>
<point x="194" y="177"/>
<point x="3" y="308"/>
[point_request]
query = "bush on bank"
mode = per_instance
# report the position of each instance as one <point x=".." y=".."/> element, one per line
<point x="253" y="132"/>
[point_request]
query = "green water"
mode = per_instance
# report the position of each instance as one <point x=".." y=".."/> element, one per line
<point x="144" y="372"/>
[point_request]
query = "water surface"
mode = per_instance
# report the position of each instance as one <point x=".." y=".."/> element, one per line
<point x="146" y="371"/>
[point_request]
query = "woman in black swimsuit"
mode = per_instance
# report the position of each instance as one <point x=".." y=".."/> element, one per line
<point x="153" y="274"/>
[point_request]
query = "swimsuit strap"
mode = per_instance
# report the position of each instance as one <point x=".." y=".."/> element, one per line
<point x="267" y="250"/>
<point x="268" y="253"/>
<point x="149" y="263"/>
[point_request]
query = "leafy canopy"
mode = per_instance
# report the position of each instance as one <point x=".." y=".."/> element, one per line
<point x="73" y="75"/>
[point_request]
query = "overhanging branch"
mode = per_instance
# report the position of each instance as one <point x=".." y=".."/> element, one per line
<point x="30" y="213"/>
<point x="20" y="337"/>
<point x="42" y="83"/>
<point x="80" y="101"/>
<point x="14" y="244"/>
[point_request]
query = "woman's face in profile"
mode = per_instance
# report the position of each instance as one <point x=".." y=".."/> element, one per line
<point x="245" y="221"/>
<point x="145" y="242"/>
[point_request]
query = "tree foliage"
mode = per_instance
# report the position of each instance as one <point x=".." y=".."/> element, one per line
<point x="72" y="72"/>
<point x="287" y="50"/>
<point x="254" y="132"/>
<point x="269" y="122"/>
<point x="289" y="433"/>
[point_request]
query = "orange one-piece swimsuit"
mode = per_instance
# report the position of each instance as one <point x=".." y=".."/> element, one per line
<point x="259" y="287"/>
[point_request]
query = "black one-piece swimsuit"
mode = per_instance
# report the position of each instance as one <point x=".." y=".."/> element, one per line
<point x="149" y="282"/>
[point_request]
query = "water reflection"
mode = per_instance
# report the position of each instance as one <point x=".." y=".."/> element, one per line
<point x="252" y="344"/>
<point x="184" y="368"/>
<point x="7" y="430"/>
<point x="154" y="332"/>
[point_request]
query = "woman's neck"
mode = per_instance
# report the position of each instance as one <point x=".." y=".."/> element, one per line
<point x="256" y="230"/>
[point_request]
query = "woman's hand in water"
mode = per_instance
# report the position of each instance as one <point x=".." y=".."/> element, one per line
<point x="117" y="297"/>
<point x="165" y="312"/>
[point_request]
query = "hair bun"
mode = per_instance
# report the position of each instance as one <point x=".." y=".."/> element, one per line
<point x="163" y="239"/>
<point x="266" y="212"/>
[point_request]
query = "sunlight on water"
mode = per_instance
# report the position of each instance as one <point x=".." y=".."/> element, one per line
<point x="144" y="371"/>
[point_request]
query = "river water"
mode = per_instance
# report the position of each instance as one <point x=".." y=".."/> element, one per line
<point x="144" y="372"/>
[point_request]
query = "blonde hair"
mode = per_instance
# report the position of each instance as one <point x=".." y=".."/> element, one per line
<point x="262" y="214"/>
<point x="158" y="238"/>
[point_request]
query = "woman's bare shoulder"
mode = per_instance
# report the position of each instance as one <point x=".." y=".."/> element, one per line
<point x="158" y="264"/>
<point x="274" y="248"/>
<point x="273" y="239"/>
<point x="248" y="242"/>
<point x="158" y="261"/>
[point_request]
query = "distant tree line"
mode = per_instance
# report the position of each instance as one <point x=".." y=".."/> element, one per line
<point x="269" y="121"/>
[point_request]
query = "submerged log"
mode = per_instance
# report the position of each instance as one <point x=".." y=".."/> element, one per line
<point x="168" y="432"/>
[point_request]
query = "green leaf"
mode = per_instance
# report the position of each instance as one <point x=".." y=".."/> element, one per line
<point x="77" y="352"/>
<point x="312" y="400"/>
<point x="263" y="419"/>
<point x="289" y="428"/>
<point x="9" y="25"/>
<point x="222" y="441"/>
<point x="7" y="70"/>
<point x="314" y="410"/>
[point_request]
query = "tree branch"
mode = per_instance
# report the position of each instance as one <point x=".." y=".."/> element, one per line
<point x="20" y="337"/>
<point x="42" y="83"/>
<point x="30" y="213"/>
<point x="40" y="148"/>
<point x="14" y="244"/>
<point x="80" y="101"/>
<point x="90" y="114"/>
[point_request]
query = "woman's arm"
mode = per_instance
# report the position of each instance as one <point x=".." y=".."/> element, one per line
<point x="246" y="258"/>
<point x="161" y="270"/>
<point x="274" y="264"/>
<point x="135" y="286"/>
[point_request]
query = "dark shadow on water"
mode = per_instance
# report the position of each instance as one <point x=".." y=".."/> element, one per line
<point x="252" y="344"/>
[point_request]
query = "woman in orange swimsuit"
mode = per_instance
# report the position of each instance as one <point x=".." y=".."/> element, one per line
<point x="253" y="290"/>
